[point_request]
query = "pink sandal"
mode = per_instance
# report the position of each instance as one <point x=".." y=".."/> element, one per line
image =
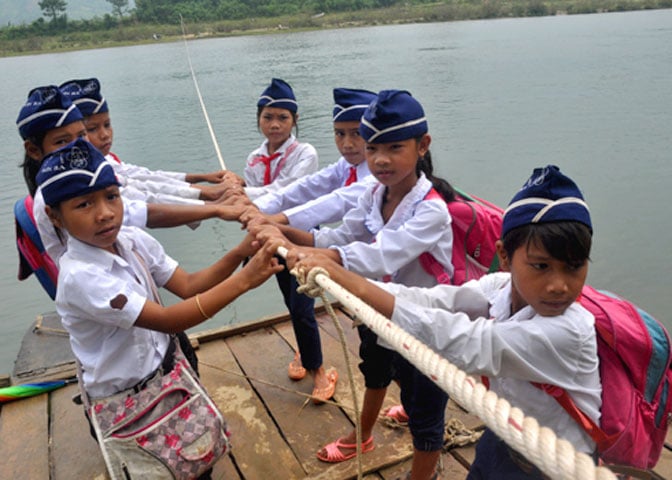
<point x="396" y="416"/>
<point x="333" y="453"/>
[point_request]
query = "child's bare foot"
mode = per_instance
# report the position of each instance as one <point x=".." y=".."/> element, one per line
<point x="325" y="384"/>
<point x="295" y="370"/>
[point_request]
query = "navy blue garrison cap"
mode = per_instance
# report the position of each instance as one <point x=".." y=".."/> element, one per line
<point x="394" y="115"/>
<point x="547" y="196"/>
<point x="350" y="104"/>
<point x="278" y="94"/>
<point x="45" y="109"/>
<point x="86" y="95"/>
<point x="74" y="170"/>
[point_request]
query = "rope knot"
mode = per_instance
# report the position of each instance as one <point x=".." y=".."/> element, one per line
<point x="307" y="280"/>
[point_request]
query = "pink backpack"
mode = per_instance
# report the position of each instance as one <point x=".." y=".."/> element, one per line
<point x="477" y="225"/>
<point x="635" y="355"/>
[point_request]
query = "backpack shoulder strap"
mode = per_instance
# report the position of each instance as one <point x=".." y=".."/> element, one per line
<point x="584" y="421"/>
<point x="428" y="262"/>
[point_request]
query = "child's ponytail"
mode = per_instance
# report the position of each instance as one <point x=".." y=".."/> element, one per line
<point x="442" y="186"/>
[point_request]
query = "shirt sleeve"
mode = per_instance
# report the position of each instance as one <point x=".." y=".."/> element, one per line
<point x="172" y="188"/>
<point x="301" y="190"/>
<point x="353" y="228"/>
<point x="395" y="248"/>
<point x="329" y="208"/>
<point x="135" y="213"/>
<point x="526" y="349"/>
<point x="113" y="302"/>
<point x="160" y="264"/>
<point x="145" y="174"/>
<point x="53" y="245"/>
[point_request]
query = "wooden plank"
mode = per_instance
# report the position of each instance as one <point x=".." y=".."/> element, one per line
<point x="74" y="452"/>
<point x="302" y="426"/>
<point x="259" y="450"/>
<point x="45" y="352"/>
<point x="664" y="465"/>
<point x="241" y="328"/>
<point x="449" y="467"/>
<point x="24" y="442"/>
<point x="213" y="379"/>
<point x="349" y="331"/>
<point x="392" y="446"/>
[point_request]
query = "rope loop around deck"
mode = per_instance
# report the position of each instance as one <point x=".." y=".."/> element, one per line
<point x="556" y="457"/>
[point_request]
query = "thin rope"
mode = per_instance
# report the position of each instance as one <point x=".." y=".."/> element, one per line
<point x="556" y="457"/>
<point x="351" y="379"/>
<point x="282" y="251"/>
<point x="200" y="98"/>
<point x="307" y="396"/>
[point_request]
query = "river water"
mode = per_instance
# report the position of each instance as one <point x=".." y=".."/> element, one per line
<point x="590" y="93"/>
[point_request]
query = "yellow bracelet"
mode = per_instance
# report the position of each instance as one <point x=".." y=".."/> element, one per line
<point x="200" y="308"/>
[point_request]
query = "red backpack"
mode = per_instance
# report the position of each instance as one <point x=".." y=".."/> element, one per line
<point x="635" y="354"/>
<point x="477" y="225"/>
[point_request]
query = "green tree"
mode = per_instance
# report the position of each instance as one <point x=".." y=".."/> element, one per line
<point x="119" y="7"/>
<point x="52" y="8"/>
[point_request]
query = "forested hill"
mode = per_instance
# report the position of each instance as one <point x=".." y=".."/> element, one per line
<point x="16" y="12"/>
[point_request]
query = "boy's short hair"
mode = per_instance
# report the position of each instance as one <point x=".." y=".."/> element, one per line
<point x="569" y="242"/>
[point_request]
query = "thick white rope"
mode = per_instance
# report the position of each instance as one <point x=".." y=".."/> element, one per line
<point x="200" y="99"/>
<point x="556" y="457"/>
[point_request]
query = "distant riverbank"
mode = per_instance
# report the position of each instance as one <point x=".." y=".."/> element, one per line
<point x="12" y="44"/>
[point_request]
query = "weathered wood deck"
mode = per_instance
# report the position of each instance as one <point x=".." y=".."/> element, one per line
<point x="275" y="432"/>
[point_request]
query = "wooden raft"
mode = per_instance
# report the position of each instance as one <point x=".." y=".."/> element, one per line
<point x="244" y="367"/>
<point x="275" y="432"/>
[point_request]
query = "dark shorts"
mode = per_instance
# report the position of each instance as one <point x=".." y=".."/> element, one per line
<point x="496" y="461"/>
<point x="377" y="363"/>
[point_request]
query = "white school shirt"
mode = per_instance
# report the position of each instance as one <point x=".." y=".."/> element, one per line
<point x="318" y="198"/>
<point x="369" y="246"/>
<point x="140" y="183"/>
<point x="471" y="326"/>
<point x="135" y="214"/>
<point x="294" y="161"/>
<point x="114" y="354"/>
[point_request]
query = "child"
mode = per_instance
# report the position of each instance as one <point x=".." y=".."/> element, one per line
<point x="281" y="158"/>
<point x="325" y="196"/>
<point x="47" y="121"/>
<point x="518" y="327"/>
<point x="322" y="197"/>
<point x="383" y="237"/>
<point x="137" y="182"/>
<point x="119" y="332"/>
